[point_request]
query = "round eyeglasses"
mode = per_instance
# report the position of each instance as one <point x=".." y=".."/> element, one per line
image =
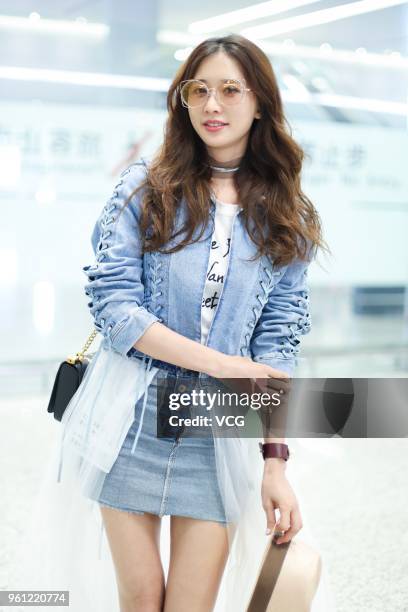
<point x="194" y="92"/>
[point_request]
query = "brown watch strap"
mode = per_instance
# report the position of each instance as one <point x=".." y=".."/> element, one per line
<point x="274" y="449"/>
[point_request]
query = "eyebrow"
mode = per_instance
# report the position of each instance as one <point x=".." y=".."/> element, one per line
<point x="224" y="80"/>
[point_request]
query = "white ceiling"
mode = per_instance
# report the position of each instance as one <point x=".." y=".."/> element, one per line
<point x="133" y="48"/>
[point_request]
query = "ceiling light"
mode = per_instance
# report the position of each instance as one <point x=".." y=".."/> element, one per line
<point x="326" y="48"/>
<point x="173" y="37"/>
<point x="365" y="104"/>
<point x="91" y="79"/>
<point x="360" y="57"/>
<point x="250" y="13"/>
<point x="34" y="23"/>
<point x="307" y="20"/>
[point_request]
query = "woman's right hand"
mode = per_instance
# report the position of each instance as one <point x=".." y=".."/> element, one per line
<point x="234" y="366"/>
<point x="243" y="375"/>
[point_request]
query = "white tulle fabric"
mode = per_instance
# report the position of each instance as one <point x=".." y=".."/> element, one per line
<point x="65" y="547"/>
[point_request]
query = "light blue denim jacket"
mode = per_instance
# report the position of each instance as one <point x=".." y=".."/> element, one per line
<point x="262" y="311"/>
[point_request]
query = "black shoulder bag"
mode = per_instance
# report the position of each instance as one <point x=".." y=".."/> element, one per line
<point x="69" y="376"/>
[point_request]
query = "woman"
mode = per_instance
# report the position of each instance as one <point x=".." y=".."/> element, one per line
<point x="175" y="307"/>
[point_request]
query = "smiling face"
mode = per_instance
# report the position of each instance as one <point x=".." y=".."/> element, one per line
<point x="230" y="141"/>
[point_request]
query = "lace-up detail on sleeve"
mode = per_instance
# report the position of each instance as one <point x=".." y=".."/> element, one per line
<point x="284" y="318"/>
<point x="115" y="279"/>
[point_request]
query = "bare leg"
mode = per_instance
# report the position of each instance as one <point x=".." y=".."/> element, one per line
<point x="134" y="542"/>
<point x="198" y="554"/>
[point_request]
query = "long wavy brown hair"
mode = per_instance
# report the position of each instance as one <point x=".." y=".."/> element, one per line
<point x="282" y="222"/>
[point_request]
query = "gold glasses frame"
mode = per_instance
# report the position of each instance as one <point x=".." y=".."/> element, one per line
<point x="242" y="82"/>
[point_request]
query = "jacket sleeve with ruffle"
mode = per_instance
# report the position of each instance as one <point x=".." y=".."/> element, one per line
<point x="115" y="279"/>
<point x="284" y="319"/>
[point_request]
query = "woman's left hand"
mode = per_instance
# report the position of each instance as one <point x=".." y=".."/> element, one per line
<point x="277" y="493"/>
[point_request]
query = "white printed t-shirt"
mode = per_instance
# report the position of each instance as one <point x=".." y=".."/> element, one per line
<point x="217" y="263"/>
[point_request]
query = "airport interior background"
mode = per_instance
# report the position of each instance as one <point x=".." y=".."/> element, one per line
<point x="83" y="94"/>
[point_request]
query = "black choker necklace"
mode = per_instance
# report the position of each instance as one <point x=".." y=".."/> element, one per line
<point x="224" y="169"/>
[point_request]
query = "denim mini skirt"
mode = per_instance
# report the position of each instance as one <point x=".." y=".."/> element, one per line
<point x="172" y="475"/>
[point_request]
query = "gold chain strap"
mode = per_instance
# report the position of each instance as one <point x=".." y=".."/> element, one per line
<point x="80" y="356"/>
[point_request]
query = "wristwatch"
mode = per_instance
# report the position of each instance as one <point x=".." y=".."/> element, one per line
<point x="274" y="449"/>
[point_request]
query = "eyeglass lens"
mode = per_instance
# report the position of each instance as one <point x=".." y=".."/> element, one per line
<point x="195" y="93"/>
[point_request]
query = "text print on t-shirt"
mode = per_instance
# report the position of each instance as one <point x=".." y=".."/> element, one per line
<point x="214" y="278"/>
<point x="217" y="263"/>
